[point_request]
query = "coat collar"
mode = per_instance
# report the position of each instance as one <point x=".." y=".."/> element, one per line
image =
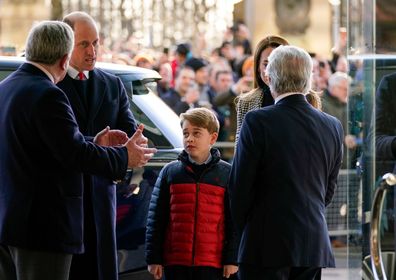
<point x="28" y="67"/>
<point x="292" y="99"/>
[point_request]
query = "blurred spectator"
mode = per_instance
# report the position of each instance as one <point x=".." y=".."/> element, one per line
<point x="321" y="73"/>
<point x="242" y="37"/>
<point x="164" y="56"/>
<point x="200" y="68"/>
<point x="121" y="58"/>
<point x="248" y="67"/>
<point x="185" y="95"/>
<point x="240" y="64"/>
<point x="164" y="85"/>
<point x="339" y="48"/>
<point x="144" y="60"/>
<point x="342" y="64"/>
<point x="182" y="53"/>
<point x="227" y="91"/>
<point x="227" y="51"/>
<point x="334" y="102"/>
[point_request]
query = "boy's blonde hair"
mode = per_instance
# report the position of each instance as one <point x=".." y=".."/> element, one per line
<point x="201" y="117"/>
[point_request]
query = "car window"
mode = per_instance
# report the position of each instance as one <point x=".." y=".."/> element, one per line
<point x="151" y="131"/>
<point x="4" y="74"/>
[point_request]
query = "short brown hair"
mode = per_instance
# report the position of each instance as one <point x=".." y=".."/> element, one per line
<point x="201" y="117"/>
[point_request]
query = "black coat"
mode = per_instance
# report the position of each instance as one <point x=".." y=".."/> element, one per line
<point x="283" y="176"/>
<point x="42" y="155"/>
<point x="107" y="105"/>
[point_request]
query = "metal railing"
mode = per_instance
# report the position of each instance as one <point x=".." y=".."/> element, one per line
<point x="377" y="265"/>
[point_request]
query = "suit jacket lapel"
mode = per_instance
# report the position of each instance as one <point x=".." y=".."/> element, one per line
<point x="98" y="90"/>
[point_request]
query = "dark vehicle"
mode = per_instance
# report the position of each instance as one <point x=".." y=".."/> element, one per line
<point x="162" y="128"/>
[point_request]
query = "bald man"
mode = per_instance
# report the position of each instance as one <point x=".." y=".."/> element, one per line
<point x="98" y="99"/>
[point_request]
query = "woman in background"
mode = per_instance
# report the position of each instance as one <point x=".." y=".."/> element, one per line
<point x="260" y="96"/>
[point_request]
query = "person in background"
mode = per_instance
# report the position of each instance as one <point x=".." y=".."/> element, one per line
<point x="200" y="68"/>
<point x="164" y="85"/>
<point x="242" y="37"/>
<point x="334" y="102"/>
<point x="283" y="176"/>
<point x="228" y="52"/>
<point x="260" y="96"/>
<point x="182" y="53"/>
<point x="321" y="72"/>
<point x="185" y="95"/>
<point x="42" y="155"/>
<point x="98" y="99"/>
<point x="189" y="232"/>
<point x="227" y="92"/>
<point x="143" y="60"/>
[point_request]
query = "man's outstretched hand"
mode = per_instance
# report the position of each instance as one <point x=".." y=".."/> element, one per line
<point x="110" y="138"/>
<point x="138" y="154"/>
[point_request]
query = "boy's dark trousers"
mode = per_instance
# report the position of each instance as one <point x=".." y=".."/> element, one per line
<point x="181" y="272"/>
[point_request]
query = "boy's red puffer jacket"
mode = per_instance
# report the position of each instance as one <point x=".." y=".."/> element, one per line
<point x="189" y="222"/>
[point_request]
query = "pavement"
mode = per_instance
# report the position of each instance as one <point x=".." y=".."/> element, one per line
<point x="346" y="268"/>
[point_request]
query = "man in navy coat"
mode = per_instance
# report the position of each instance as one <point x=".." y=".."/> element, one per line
<point x="42" y="155"/>
<point x="98" y="100"/>
<point x="283" y="176"/>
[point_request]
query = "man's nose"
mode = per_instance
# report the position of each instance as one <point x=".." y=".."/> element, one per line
<point x="91" y="49"/>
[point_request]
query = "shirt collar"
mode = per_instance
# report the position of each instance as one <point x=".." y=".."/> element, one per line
<point x="205" y="162"/>
<point x="39" y="66"/>
<point x="73" y="73"/>
<point x="280" y="97"/>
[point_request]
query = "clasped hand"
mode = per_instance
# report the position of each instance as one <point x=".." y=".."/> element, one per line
<point x="138" y="153"/>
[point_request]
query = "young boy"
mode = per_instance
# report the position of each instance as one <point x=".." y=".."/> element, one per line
<point x="189" y="232"/>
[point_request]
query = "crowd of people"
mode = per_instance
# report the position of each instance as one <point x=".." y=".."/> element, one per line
<point x="208" y="218"/>
<point x="228" y="81"/>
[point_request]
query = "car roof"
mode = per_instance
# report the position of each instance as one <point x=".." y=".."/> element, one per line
<point x="138" y="73"/>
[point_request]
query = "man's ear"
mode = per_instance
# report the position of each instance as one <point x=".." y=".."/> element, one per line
<point x="64" y="62"/>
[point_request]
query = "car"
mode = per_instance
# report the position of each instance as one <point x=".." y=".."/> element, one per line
<point x="162" y="128"/>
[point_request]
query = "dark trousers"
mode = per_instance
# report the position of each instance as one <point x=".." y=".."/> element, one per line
<point x="7" y="267"/>
<point x="249" y="272"/>
<point x="181" y="272"/>
<point x="21" y="264"/>
<point x="85" y="266"/>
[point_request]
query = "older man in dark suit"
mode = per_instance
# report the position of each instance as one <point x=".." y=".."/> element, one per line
<point x="42" y="153"/>
<point x="98" y="99"/>
<point x="284" y="175"/>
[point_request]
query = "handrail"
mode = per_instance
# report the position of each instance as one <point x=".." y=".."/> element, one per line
<point x="377" y="265"/>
